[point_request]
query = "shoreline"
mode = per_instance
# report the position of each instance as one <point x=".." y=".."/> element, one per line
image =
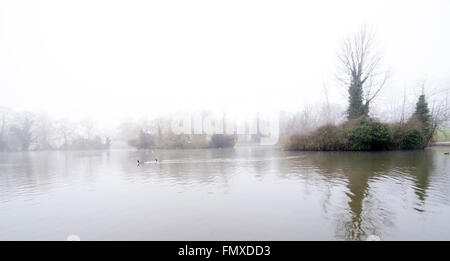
<point x="442" y="143"/>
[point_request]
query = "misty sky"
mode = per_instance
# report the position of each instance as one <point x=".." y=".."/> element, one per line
<point x="109" y="59"/>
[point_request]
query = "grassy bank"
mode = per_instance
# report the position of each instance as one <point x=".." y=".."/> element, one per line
<point x="442" y="135"/>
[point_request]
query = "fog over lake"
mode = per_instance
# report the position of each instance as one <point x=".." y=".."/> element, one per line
<point x="113" y="59"/>
<point x="224" y="120"/>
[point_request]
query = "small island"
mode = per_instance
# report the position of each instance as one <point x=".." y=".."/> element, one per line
<point x="360" y="74"/>
<point x="365" y="133"/>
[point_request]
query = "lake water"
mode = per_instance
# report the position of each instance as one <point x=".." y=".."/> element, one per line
<point x="246" y="193"/>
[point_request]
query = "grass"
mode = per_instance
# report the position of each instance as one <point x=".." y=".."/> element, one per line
<point x="443" y="135"/>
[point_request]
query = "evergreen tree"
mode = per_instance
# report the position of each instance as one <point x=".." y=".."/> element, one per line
<point x="423" y="114"/>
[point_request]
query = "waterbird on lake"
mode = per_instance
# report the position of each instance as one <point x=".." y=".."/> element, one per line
<point x="139" y="162"/>
<point x="446" y="153"/>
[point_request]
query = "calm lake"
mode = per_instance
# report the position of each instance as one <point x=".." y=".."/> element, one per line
<point x="246" y="193"/>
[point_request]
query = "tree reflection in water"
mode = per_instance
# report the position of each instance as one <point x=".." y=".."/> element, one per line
<point x="367" y="212"/>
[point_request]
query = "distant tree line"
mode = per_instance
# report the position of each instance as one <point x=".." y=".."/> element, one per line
<point x="182" y="141"/>
<point x="156" y="133"/>
<point x="24" y="131"/>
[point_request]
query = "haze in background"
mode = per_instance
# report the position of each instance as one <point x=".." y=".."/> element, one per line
<point x="112" y="59"/>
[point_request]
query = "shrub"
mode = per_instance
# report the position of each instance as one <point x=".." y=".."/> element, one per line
<point x="144" y="141"/>
<point x="360" y="134"/>
<point x="371" y="135"/>
<point x="408" y="136"/>
<point x="222" y="141"/>
<point x="330" y="137"/>
<point x="414" y="140"/>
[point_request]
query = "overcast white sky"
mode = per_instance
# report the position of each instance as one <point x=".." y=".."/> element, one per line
<point x="109" y="59"/>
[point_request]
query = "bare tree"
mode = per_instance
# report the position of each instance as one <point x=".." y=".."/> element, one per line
<point x="24" y="130"/>
<point x="88" y="127"/>
<point x="403" y="114"/>
<point x="439" y="112"/>
<point x="45" y="134"/>
<point x="65" y="130"/>
<point x="327" y="103"/>
<point x="128" y="129"/>
<point x="4" y="124"/>
<point x="360" y="71"/>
